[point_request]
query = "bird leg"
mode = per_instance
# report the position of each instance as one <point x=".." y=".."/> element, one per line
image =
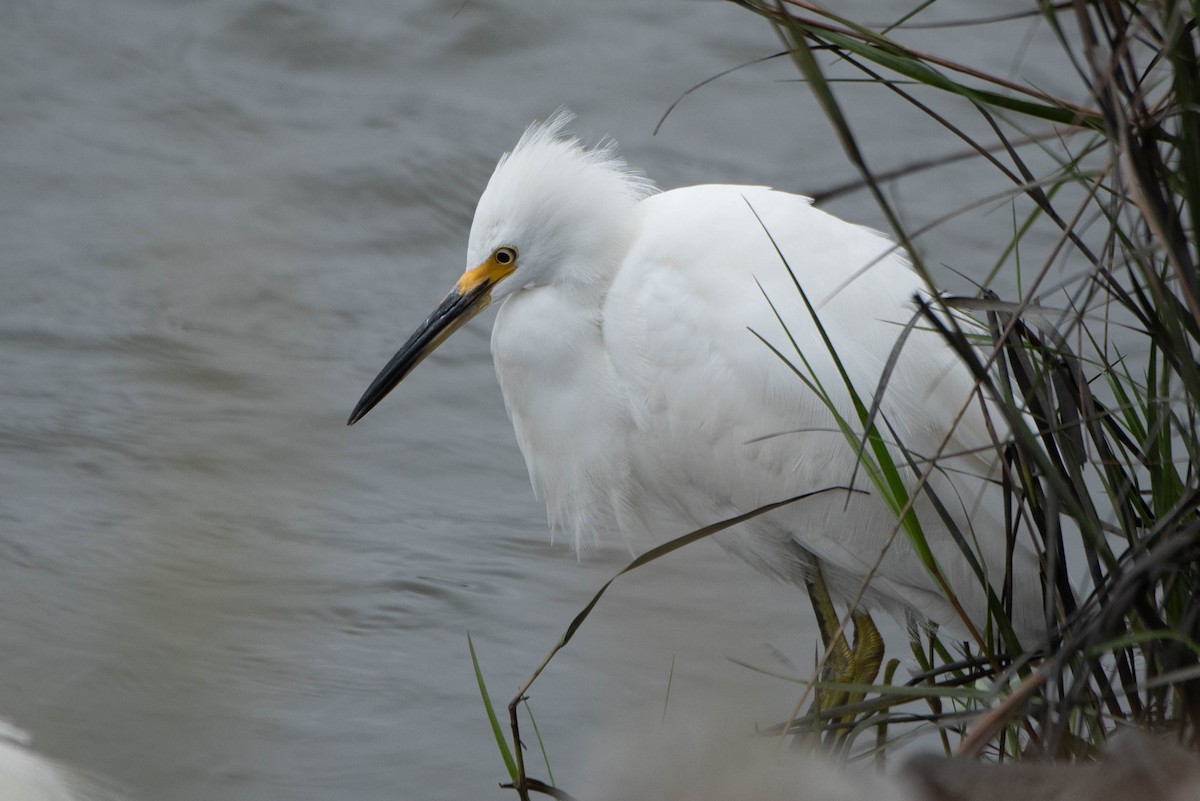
<point x="827" y="621"/>
<point x="846" y="665"/>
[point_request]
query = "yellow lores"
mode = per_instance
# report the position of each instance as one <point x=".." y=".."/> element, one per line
<point x="500" y="265"/>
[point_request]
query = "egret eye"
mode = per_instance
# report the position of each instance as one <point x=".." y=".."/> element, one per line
<point x="505" y="255"/>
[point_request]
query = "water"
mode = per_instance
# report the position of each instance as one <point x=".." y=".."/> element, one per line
<point x="219" y="220"/>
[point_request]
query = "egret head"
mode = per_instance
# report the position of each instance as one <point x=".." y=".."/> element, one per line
<point x="563" y="208"/>
<point x="554" y="212"/>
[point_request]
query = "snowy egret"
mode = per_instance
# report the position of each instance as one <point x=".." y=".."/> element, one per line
<point x="632" y="353"/>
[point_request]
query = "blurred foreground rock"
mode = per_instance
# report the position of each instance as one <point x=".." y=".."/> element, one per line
<point x="1138" y="767"/>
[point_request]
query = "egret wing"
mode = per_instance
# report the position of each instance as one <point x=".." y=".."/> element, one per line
<point x="736" y="396"/>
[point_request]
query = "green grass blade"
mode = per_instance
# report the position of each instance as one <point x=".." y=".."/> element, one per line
<point x="917" y="70"/>
<point x="537" y="734"/>
<point x="501" y="742"/>
<point x="660" y="551"/>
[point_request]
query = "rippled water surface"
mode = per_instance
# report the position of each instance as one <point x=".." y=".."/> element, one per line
<point x="219" y="219"/>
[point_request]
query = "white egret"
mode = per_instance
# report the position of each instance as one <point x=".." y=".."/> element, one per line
<point x="630" y="352"/>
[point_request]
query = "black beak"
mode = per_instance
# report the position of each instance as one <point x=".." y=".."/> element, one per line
<point x="455" y="310"/>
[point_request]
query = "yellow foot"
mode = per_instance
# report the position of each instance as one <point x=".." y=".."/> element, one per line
<point x="846" y="665"/>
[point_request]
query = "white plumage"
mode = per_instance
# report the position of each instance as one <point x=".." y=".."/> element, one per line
<point x="630" y="352"/>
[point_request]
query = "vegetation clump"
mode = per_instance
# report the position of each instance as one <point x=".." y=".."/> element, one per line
<point x="1098" y="383"/>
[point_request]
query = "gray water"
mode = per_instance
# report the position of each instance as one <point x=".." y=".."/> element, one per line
<point x="219" y="219"/>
